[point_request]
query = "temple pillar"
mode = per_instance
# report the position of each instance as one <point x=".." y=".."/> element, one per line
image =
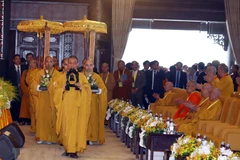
<point x="6" y="28"/>
<point x="100" y="10"/>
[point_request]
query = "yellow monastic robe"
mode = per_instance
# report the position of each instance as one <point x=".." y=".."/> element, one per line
<point x="211" y="112"/>
<point x="215" y="81"/>
<point x="45" y="109"/>
<point x="73" y="111"/>
<point x="167" y="100"/>
<point x="25" y="102"/>
<point x="225" y="85"/>
<point x="33" y="96"/>
<point x="96" y="131"/>
<point x="203" y="104"/>
<point x="110" y="83"/>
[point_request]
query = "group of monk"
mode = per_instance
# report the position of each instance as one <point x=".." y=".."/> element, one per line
<point x="70" y="113"/>
<point x="69" y="116"/>
<point x="205" y="104"/>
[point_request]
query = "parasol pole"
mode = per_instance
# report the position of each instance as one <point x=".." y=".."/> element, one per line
<point x="92" y="39"/>
<point x="39" y="49"/>
<point x="85" y="46"/>
<point x="46" y="42"/>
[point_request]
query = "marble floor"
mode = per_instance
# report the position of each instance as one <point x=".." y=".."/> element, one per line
<point x="113" y="149"/>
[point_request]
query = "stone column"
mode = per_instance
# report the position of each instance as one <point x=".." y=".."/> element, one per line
<point x="101" y="10"/>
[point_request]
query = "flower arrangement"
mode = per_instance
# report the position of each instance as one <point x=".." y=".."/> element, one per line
<point x="200" y="149"/>
<point x="92" y="82"/>
<point x="46" y="78"/>
<point x="154" y="125"/>
<point x="185" y="146"/>
<point x="7" y="94"/>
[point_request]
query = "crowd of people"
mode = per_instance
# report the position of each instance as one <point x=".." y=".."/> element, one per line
<point x="67" y="104"/>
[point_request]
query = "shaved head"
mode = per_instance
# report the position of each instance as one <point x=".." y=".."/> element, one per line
<point x="168" y="86"/>
<point x="105" y="68"/>
<point x="215" y="94"/>
<point x="49" y="62"/>
<point x="191" y="86"/>
<point x="206" y="90"/>
<point x="33" y="63"/>
<point x="105" y="64"/>
<point x="211" y="70"/>
<point x="88" y="65"/>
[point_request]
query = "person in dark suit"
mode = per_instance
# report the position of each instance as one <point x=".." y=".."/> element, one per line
<point x="139" y="81"/>
<point x="29" y="57"/>
<point x="201" y="73"/>
<point x="155" y="79"/>
<point x="146" y="65"/>
<point x="178" y="77"/>
<point x="13" y="75"/>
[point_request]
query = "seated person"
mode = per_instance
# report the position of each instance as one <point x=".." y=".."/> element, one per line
<point x="211" y="112"/>
<point x="167" y="100"/>
<point x="204" y="103"/>
<point x="193" y="97"/>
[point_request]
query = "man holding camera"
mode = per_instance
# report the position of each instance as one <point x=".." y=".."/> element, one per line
<point x="72" y="98"/>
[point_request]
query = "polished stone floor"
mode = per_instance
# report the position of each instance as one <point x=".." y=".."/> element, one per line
<point x="113" y="149"/>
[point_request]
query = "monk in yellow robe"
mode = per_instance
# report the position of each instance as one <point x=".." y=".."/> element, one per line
<point x="64" y="70"/>
<point x="45" y="109"/>
<point x="108" y="79"/>
<point x="96" y="131"/>
<point x="205" y="101"/>
<point x="31" y="75"/>
<point x="211" y="76"/>
<point x="225" y="84"/>
<point x="210" y="112"/>
<point x="73" y="109"/>
<point x="167" y="100"/>
<point x="194" y="97"/>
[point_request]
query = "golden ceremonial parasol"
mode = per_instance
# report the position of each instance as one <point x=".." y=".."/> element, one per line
<point x="41" y="27"/>
<point x="89" y="28"/>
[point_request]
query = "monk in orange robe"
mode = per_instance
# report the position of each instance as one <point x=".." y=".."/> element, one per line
<point x="123" y="79"/>
<point x="32" y="72"/>
<point x="25" y="110"/>
<point x="55" y="63"/>
<point x="193" y="97"/>
<point x="108" y="79"/>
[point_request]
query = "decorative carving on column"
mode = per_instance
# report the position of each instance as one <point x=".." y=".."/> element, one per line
<point x="1" y="27"/>
<point x="68" y="45"/>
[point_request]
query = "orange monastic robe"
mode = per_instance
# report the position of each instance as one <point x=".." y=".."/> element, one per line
<point x="25" y="103"/>
<point x="182" y="111"/>
<point x="5" y="118"/>
<point x="123" y="90"/>
<point x="32" y="96"/>
<point x="57" y="68"/>
<point x="110" y="83"/>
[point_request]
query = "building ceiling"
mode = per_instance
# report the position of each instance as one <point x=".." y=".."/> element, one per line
<point x="196" y="10"/>
<point x="190" y="10"/>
